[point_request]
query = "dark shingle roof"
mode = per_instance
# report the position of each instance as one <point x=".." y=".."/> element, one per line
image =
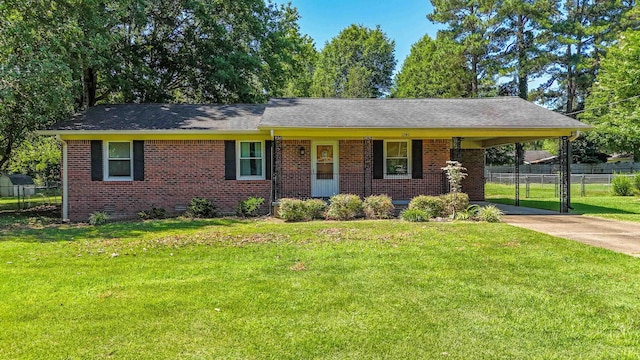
<point x="165" y="117"/>
<point x="502" y="112"/>
<point x="20" y="179"/>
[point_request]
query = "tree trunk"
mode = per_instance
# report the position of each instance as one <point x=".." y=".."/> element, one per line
<point x="523" y="79"/>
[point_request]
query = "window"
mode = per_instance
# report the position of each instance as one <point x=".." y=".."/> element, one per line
<point x="396" y="159"/>
<point x="119" y="160"/>
<point x="251" y="160"/>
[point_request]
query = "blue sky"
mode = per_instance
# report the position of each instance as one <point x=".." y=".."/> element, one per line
<point x="404" y="21"/>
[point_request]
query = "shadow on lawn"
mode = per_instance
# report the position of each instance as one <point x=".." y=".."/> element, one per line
<point x="37" y="230"/>
<point x="554" y="204"/>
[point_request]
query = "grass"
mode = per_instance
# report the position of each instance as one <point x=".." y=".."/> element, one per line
<point x="15" y="203"/>
<point x="598" y="202"/>
<point x="266" y="289"/>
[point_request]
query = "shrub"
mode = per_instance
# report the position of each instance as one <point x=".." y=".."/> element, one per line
<point x="293" y="210"/>
<point x="344" y="207"/>
<point x="414" y="215"/>
<point x="454" y="202"/>
<point x="621" y="185"/>
<point x="154" y="213"/>
<point x="201" y="208"/>
<point x="315" y="208"/>
<point x="455" y="174"/>
<point x="249" y="207"/>
<point x="98" y="218"/>
<point x="377" y="207"/>
<point x="470" y="213"/>
<point x="490" y="213"/>
<point x="433" y="205"/>
<point x="636" y="181"/>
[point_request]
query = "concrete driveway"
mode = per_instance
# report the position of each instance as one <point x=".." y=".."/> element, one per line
<point x="614" y="235"/>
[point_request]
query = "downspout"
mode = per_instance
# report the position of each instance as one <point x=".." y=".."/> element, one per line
<point x="65" y="180"/>
<point x="574" y="136"/>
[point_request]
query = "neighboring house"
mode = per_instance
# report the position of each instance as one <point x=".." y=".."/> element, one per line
<point x="126" y="158"/>
<point x="539" y="157"/>
<point x="16" y="185"/>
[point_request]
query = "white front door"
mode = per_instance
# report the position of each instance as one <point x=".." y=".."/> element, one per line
<point x="324" y="168"/>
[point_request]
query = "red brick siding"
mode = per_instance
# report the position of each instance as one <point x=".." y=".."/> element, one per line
<point x="435" y="153"/>
<point x="473" y="184"/>
<point x="175" y="172"/>
<point x="351" y="167"/>
<point x="296" y="169"/>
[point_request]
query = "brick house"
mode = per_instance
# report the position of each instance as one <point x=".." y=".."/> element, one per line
<point x="126" y="158"/>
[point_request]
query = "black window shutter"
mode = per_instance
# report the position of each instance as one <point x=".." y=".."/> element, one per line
<point x="229" y="160"/>
<point x="378" y="159"/>
<point x="138" y="160"/>
<point x="267" y="159"/>
<point x="416" y="159"/>
<point x="96" y="160"/>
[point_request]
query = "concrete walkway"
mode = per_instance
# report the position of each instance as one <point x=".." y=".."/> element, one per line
<point x="623" y="237"/>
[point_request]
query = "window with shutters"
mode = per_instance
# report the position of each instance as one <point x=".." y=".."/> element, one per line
<point x="251" y="164"/>
<point x="397" y="161"/>
<point x="118" y="164"/>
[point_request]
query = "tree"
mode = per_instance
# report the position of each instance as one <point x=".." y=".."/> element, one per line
<point x="614" y="102"/>
<point x="469" y="23"/>
<point x="581" y="31"/>
<point x="434" y="68"/>
<point x="356" y="63"/>
<point x="303" y="68"/>
<point x="38" y="157"/>
<point x="518" y="42"/>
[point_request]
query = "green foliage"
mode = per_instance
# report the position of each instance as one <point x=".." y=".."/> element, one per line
<point x="489" y="213"/>
<point x="153" y="213"/>
<point x="415" y="215"/>
<point x="249" y="207"/>
<point x="636" y="181"/>
<point x="433" y="69"/>
<point x="344" y="207"/>
<point x="377" y="207"/>
<point x="38" y="157"/>
<point x="98" y="218"/>
<point x="455" y="201"/>
<point x="470" y="213"/>
<point x="315" y="208"/>
<point x="622" y="185"/>
<point x="432" y="205"/>
<point x="500" y="155"/>
<point x="358" y="63"/>
<point x="201" y="208"/>
<point x="614" y="101"/>
<point x="293" y="210"/>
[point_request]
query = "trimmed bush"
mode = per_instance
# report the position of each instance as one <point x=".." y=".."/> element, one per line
<point x="433" y="205"/>
<point x="201" y="208"/>
<point x="315" y="208"/>
<point x="293" y="210"/>
<point x="377" y="207"/>
<point x="249" y="207"/>
<point x="98" y="218"/>
<point x="154" y="213"/>
<point x="344" y="207"/>
<point x="621" y="185"/>
<point x="414" y="215"/>
<point x="490" y="213"/>
<point x="454" y="202"/>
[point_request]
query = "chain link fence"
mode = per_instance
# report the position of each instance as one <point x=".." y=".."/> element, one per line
<point x="547" y="185"/>
<point x="24" y="197"/>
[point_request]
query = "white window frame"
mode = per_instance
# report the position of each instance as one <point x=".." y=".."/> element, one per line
<point x="106" y="161"/>
<point x="384" y="150"/>
<point x="239" y="157"/>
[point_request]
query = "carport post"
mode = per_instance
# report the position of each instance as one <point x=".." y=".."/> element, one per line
<point x="565" y="174"/>
<point x="517" y="170"/>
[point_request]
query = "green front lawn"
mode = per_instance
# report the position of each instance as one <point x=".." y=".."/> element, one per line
<point x="266" y="289"/>
<point x="597" y="202"/>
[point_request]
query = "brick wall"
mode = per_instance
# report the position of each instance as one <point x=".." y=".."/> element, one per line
<point x="473" y="184"/>
<point x="351" y="167"/>
<point x="296" y="169"/>
<point x="175" y="172"/>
